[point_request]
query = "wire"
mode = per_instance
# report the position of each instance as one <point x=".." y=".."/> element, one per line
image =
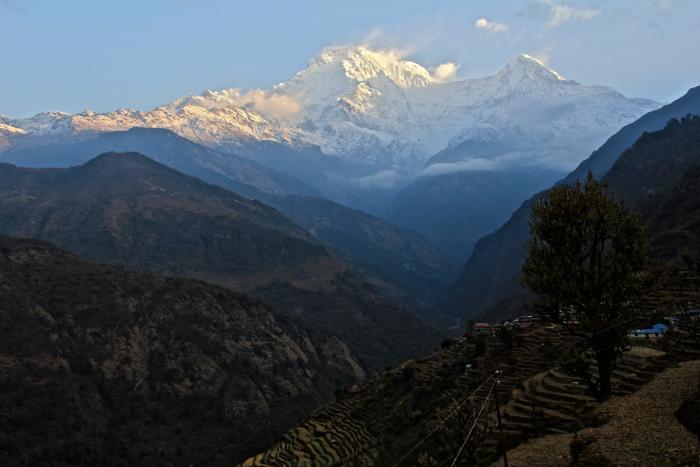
<point x="559" y="349"/>
<point x="439" y="425"/>
<point x="476" y="421"/>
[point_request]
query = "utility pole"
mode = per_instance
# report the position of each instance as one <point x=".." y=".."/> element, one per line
<point x="498" y="416"/>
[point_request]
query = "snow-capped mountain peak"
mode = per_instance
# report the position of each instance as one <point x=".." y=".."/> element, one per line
<point x="374" y="108"/>
<point x="362" y="64"/>
<point x="524" y="67"/>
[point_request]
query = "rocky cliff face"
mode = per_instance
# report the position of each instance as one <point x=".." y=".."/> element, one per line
<point x="101" y="365"/>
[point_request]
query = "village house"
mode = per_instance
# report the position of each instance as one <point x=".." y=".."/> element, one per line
<point x="655" y="331"/>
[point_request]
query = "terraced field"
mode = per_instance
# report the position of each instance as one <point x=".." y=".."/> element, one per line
<point x="380" y="420"/>
<point x="556" y="401"/>
<point x="330" y="437"/>
<point x="637" y="429"/>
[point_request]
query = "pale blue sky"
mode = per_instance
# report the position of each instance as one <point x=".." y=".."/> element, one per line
<point x="74" y="55"/>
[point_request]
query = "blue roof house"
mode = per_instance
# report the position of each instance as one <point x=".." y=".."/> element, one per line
<point x="656" y="330"/>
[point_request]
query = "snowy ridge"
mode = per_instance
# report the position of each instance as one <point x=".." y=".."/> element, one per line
<point x="372" y="108"/>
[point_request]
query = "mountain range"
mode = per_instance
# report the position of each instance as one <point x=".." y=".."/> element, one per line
<point x="123" y="208"/>
<point x="398" y="259"/>
<point x="456" y="209"/>
<point x="183" y="285"/>
<point x="359" y="124"/>
<point x="236" y="173"/>
<point x="129" y="208"/>
<point x="94" y="354"/>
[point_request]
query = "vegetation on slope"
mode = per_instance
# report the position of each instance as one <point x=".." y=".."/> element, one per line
<point x="129" y="209"/>
<point x="104" y="366"/>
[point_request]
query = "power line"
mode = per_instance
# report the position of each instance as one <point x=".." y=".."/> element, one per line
<point x="559" y="349"/>
<point x="476" y="421"/>
<point x="439" y="425"/>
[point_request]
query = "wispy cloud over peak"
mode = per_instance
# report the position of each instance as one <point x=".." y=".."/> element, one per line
<point x="445" y="72"/>
<point x="557" y="14"/>
<point x="484" y="24"/>
<point x="560" y="14"/>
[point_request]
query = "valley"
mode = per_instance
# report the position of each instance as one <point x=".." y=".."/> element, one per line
<point x="421" y="234"/>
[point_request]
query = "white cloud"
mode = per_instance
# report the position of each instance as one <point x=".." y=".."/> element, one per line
<point x="382" y="180"/>
<point x="471" y="165"/>
<point x="560" y="14"/>
<point x="445" y="72"/>
<point x="483" y="23"/>
<point x="557" y="14"/>
<point x="271" y="105"/>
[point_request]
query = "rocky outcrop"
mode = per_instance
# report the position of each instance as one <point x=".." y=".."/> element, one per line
<point x="102" y="365"/>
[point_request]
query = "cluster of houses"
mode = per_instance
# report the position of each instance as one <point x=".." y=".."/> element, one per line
<point x="486" y="329"/>
<point x="654" y="332"/>
<point x="659" y="329"/>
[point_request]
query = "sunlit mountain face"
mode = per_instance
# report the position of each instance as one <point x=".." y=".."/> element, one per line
<point x="371" y="108"/>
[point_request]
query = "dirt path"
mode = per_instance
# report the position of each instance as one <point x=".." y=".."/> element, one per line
<point x="640" y="429"/>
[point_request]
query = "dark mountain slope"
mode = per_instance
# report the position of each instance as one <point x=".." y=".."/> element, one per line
<point x="491" y="277"/>
<point x="105" y="366"/>
<point x="605" y="157"/>
<point x="129" y="209"/>
<point x="673" y="218"/>
<point x="455" y="210"/>
<point x="656" y="162"/>
<point x="235" y="173"/>
<point x="660" y="176"/>
<point x="399" y="258"/>
<point x="367" y="327"/>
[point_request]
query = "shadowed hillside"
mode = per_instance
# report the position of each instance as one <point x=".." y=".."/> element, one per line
<point x="401" y="262"/>
<point x="130" y="210"/>
<point x="104" y="366"/>
<point x="660" y="176"/>
<point x="232" y="172"/>
<point x="399" y="258"/>
<point x="454" y="210"/>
